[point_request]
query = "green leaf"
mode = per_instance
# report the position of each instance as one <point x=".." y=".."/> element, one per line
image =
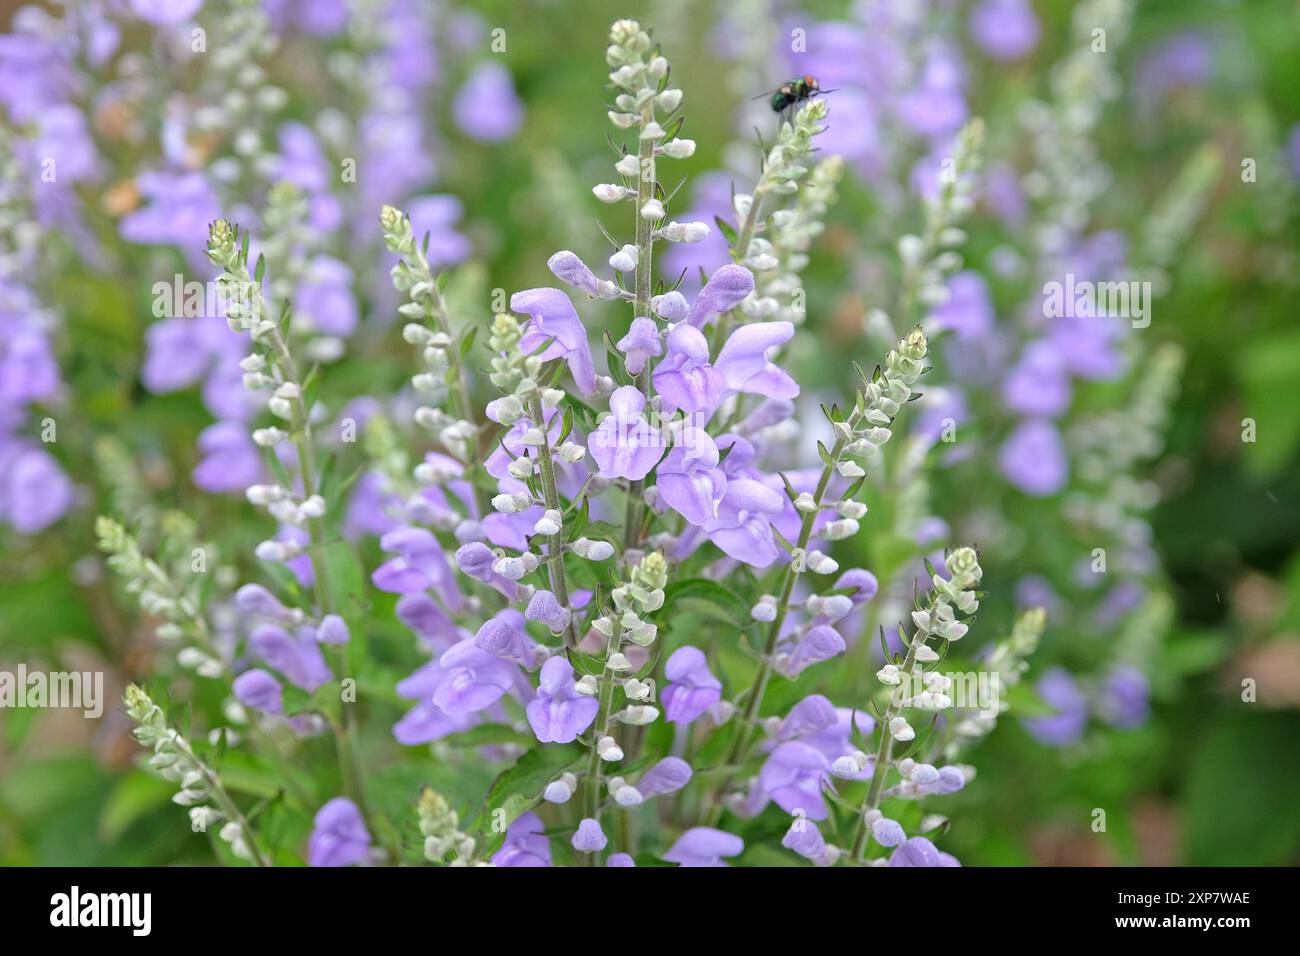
<point x="517" y="790"/>
<point x="724" y="603"/>
<point x="345" y="582"/>
<point x="487" y="734"/>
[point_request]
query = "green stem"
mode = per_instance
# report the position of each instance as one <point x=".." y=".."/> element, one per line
<point x="748" y="720"/>
<point x="555" y="542"/>
<point x="600" y="728"/>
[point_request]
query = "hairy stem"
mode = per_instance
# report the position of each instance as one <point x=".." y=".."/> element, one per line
<point x="555" y="542"/>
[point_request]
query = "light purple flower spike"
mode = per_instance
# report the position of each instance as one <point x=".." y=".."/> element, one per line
<point x="486" y="106"/>
<point x="552" y="317"/>
<point x="704" y="846"/>
<point x="725" y="290"/>
<point x="689" y="479"/>
<point x="624" y="444"/>
<point x="692" y="688"/>
<point x="340" y="837"/>
<point x="559" y="713"/>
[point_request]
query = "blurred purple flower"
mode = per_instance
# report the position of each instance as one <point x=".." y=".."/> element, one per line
<point x="1033" y="458"/>
<point x="525" y="844"/>
<point x="704" y="846"/>
<point x="339" y="837"/>
<point x="486" y="107"/>
<point x="1058" y="690"/>
<point x="692" y="688"/>
<point x="1004" y="29"/>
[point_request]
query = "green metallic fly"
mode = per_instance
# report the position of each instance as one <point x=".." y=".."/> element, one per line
<point x="791" y="93"/>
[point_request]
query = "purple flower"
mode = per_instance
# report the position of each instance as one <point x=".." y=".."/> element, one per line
<point x="810" y="715"/>
<point x="568" y="268"/>
<point x="176" y="355"/>
<point x="1123" y="697"/>
<point x="339" y="837"/>
<point x="425" y="721"/>
<point x="333" y="630"/>
<point x="180" y="207"/>
<point x="502" y="635"/>
<point x="525" y="844"/>
<point x="231" y="461"/>
<point x="918" y="851"/>
<point x="888" y="832"/>
<point x="935" y="107"/>
<point x="259" y="690"/>
<point x="34" y="491"/>
<point x="420" y="564"/>
<point x="543" y="606"/>
<point x="1004" y="29"/>
<point x="477" y="561"/>
<point x="804" y="838"/>
<point x="667" y="776"/>
<point x="685" y="378"/>
<point x="255" y="599"/>
<point x="793" y="777"/>
<point x="744" y="364"/>
<point x="689" y="479"/>
<point x="743" y="527"/>
<point x="1033" y="458"/>
<point x="624" y="444"/>
<point x="486" y="106"/>
<point x="298" y="658"/>
<point x="692" y="688"/>
<point x="1060" y="692"/>
<point x="704" y="846"/>
<point x="620" y="860"/>
<point x="863" y="583"/>
<point x="552" y="317"/>
<point x="422" y="615"/>
<point x="725" y="290"/>
<point x="969" y="309"/>
<point x="589" y="837"/>
<point x="436" y="215"/>
<point x="472" y="679"/>
<point x="640" y="343"/>
<point x="325" y="298"/>
<point x="1038" y="384"/>
<point x="821" y="643"/>
<point x="559" y="713"/>
<point x="165" y="12"/>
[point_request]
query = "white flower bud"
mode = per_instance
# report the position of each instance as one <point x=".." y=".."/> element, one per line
<point x="819" y="563"/>
<point x="652" y="210"/>
<point x="313" y="507"/>
<point x="608" y="750"/>
<point x="652" y="130"/>
<point x="627" y="796"/>
<point x="845" y="767"/>
<point x="504" y="503"/>
<point x="611" y="193"/>
<point x="593" y="550"/>
<point x="839" y="530"/>
<point x="267" y="437"/>
<point x="805" y="502"/>
<point x="678" y="148"/>
<point x="587" y="685"/>
<point x="624" y="260"/>
<point x="635" y="689"/>
<point x="618" y="662"/>
<point x="572" y="453"/>
<point x="901" y="729"/>
<point x="638" y="716"/>
<point x="549" y="523"/>
<point x="764" y="610"/>
<point x="510" y="568"/>
<point x="557" y="791"/>
<point x="850" y="469"/>
<point x="270" y="551"/>
<point x="628" y="166"/>
<point x="280" y="407"/>
<point x="926" y="654"/>
<point x="669" y="100"/>
<point x="889" y="675"/>
<point x="521" y="468"/>
<point x="851" y="509"/>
